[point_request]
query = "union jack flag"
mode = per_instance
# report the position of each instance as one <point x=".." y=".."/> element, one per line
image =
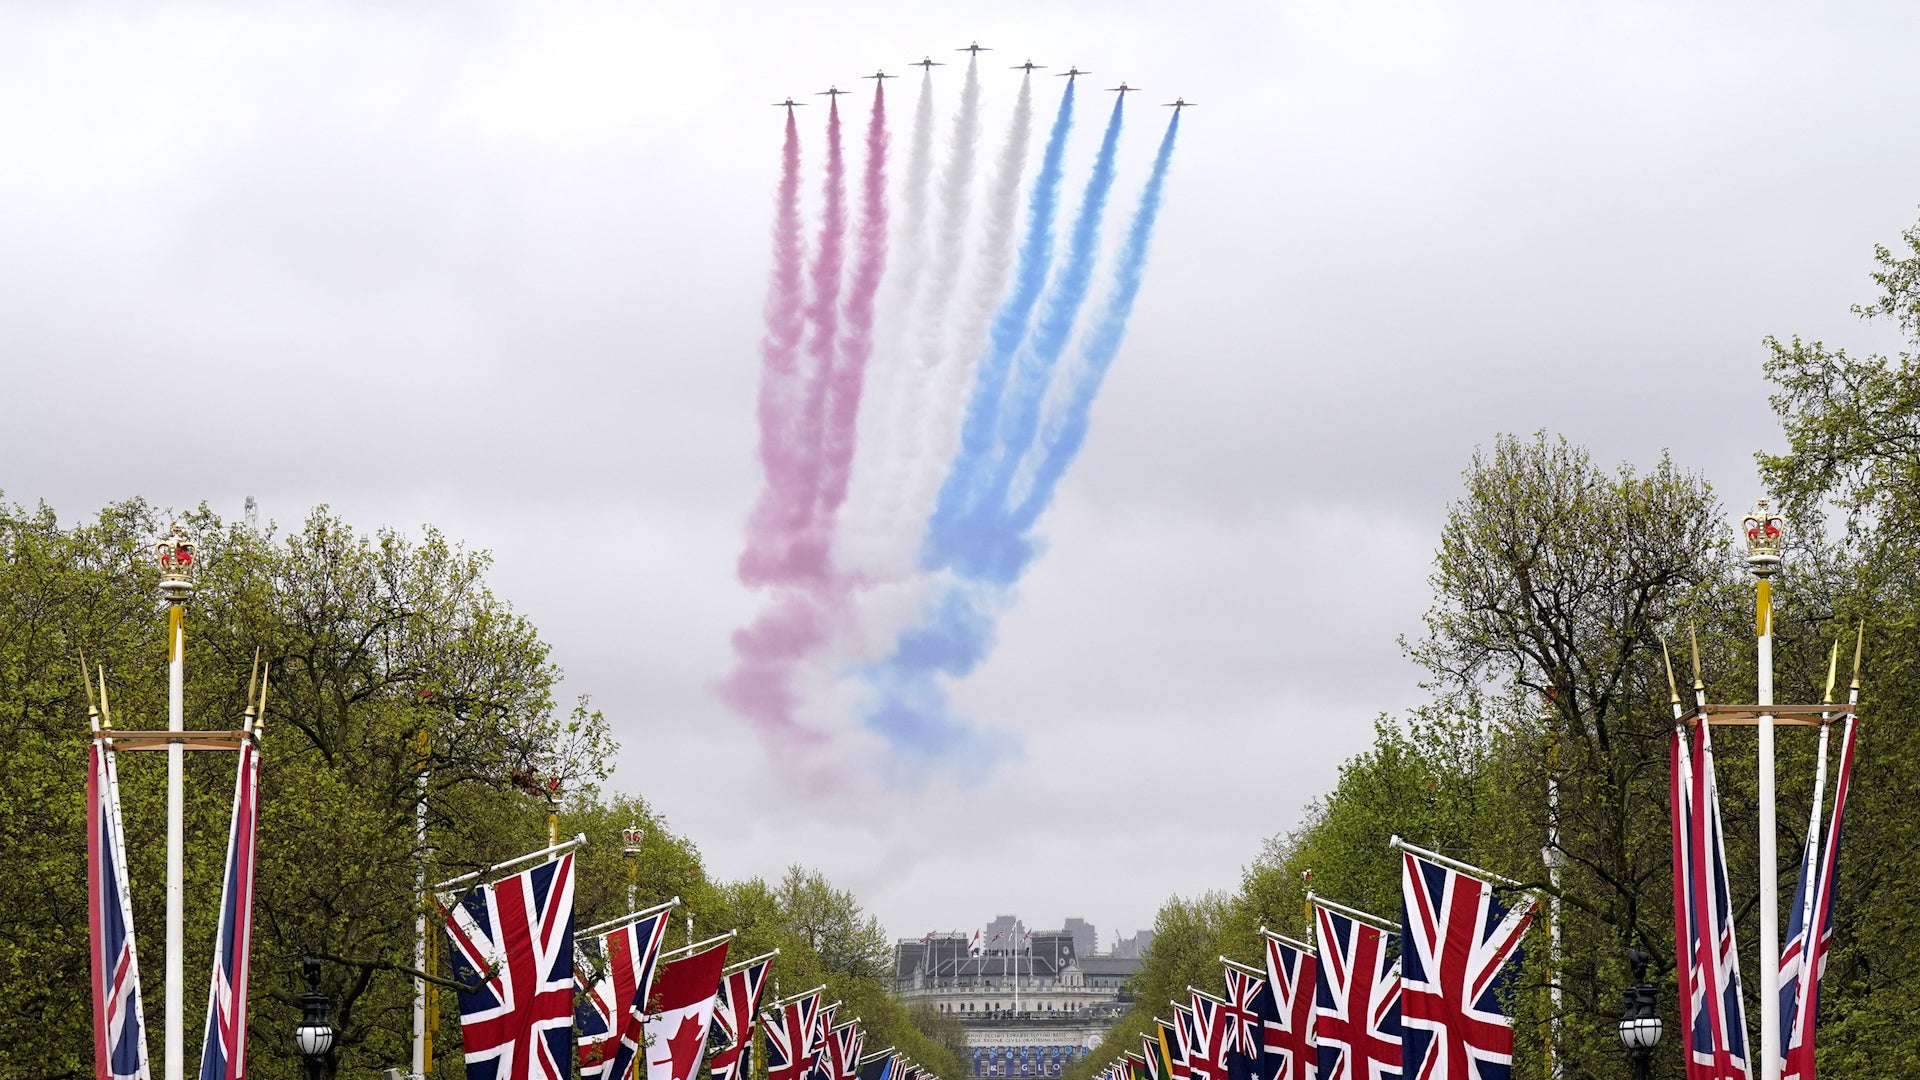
<point x="1458" y="948"/>
<point x="513" y="942"/>
<point x="790" y="1032"/>
<point x="1811" y="931"/>
<point x="843" y="1051"/>
<point x="732" y="1034"/>
<point x="223" y="1048"/>
<point x="1712" y="1010"/>
<point x="119" y="1027"/>
<point x="817" y="1044"/>
<point x="613" y="977"/>
<point x="1207" y="1053"/>
<point x="1248" y="1009"/>
<point x="1290" y="1049"/>
<point x="1356" y="1014"/>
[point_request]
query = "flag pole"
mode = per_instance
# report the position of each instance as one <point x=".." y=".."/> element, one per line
<point x="1285" y="940"/>
<point x="696" y="946"/>
<point x="1356" y="914"/>
<point x="531" y="856"/>
<point x="1245" y="968"/>
<point x="1763" y="535"/>
<point x="749" y="962"/>
<point x="622" y="920"/>
<point x="176" y="555"/>
<point x="1472" y="871"/>
<point x="790" y="999"/>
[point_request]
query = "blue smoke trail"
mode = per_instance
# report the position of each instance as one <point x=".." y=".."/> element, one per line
<point x="988" y="548"/>
<point x="957" y="629"/>
<point x="1068" y="429"/>
<point x="1008" y="330"/>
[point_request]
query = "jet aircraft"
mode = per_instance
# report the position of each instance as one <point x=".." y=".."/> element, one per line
<point x="1123" y="89"/>
<point x="928" y="64"/>
<point x="1027" y="67"/>
<point x="879" y="75"/>
<point x="1070" y="73"/>
<point x="788" y="104"/>
<point x="1179" y="103"/>
<point x="832" y="91"/>
<point x="976" y="48"/>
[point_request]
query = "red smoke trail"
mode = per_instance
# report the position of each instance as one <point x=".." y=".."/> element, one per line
<point x="785" y="313"/>
<point x="856" y="345"/>
<point x="788" y="539"/>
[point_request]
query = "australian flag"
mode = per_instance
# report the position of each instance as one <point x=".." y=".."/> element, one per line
<point x="223" y="1050"/>
<point x="119" y="1028"/>
<point x="1248" y="1011"/>
<point x="512" y="941"/>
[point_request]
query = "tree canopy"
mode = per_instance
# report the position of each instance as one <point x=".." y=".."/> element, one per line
<point x="399" y="681"/>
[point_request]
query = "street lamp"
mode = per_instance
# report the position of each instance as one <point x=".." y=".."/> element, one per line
<point x="314" y="1036"/>
<point x="1639" y="1024"/>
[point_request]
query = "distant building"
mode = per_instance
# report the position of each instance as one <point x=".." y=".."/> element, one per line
<point x="1029" y="1008"/>
<point x="1135" y="947"/>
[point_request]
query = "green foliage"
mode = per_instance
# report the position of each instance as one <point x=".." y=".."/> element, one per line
<point x="373" y="640"/>
<point x="1553" y="588"/>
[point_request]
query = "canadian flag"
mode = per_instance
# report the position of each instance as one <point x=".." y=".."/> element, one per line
<point x="684" y="995"/>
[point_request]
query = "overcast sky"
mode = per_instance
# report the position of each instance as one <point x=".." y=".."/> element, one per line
<point x="499" y="267"/>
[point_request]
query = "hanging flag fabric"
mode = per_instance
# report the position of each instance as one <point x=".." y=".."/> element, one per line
<point x="119" y="1026"/>
<point x="880" y="1068"/>
<point x="732" y="1035"/>
<point x="1799" y="1027"/>
<point x="684" y="995"/>
<point x="1155" y="1056"/>
<point x="1291" y="1054"/>
<point x="1713" y="1013"/>
<point x="1459" y="947"/>
<point x="1249" y="1009"/>
<point x="615" y="973"/>
<point x="790" y="1051"/>
<point x="1137" y="1068"/>
<point x="513" y="942"/>
<point x="1356" y="1015"/>
<point x="223" y="1046"/>
<point x="843" y="1050"/>
<point x="1207" y="1053"/>
<point x="1173" y="1045"/>
<point x="817" y="1044"/>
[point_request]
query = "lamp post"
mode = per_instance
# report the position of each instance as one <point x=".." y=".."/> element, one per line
<point x="1762" y="529"/>
<point x="314" y="1036"/>
<point x="1639" y="1023"/>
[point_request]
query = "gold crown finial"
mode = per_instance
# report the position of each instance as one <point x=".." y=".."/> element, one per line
<point x="179" y="557"/>
<point x="631" y="838"/>
<point x="1693" y="638"/>
<point x="1763" y="530"/>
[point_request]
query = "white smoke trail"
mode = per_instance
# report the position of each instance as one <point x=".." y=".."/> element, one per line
<point x="920" y="463"/>
<point x="890" y="380"/>
<point x="948" y="389"/>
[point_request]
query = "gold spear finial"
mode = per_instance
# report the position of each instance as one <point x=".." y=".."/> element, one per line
<point x="1693" y="636"/>
<point x="87" y="682"/>
<point x="253" y="679"/>
<point x="1673" y="689"/>
<point x="1833" y="670"/>
<point x="266" y="680"/>
<point x="106" y="711"/>
<point x="1859" y="641"/>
